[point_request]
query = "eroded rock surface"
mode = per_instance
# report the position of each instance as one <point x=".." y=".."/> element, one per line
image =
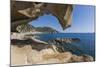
<point x="23" y="12"/>
<point x="26" y="55"/>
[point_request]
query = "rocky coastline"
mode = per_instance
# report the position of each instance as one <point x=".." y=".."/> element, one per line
<point x="28" y="51"/>
<point x="26" y="56"/>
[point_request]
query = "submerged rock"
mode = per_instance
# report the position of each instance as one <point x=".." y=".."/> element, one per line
<point x="66" y="40"/>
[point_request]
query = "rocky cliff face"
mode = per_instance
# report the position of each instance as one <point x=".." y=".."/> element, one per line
<point x="29" y="28"/>
<point x="46" y="30"/>
<point x="23" y="12"/>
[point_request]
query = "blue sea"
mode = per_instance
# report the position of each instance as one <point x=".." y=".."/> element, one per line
<point x="86" y="44"/>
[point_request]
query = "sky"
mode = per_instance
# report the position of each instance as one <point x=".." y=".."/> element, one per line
<point x="83" y="20"/>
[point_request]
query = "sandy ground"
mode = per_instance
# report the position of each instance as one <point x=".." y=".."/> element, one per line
<point x="26" y="56"/>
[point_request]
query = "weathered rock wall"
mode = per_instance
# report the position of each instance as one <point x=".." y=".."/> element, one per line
<point x="61" y="11"/>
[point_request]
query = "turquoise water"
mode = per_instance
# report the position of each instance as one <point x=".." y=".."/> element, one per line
<point x="86" y="44"/>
